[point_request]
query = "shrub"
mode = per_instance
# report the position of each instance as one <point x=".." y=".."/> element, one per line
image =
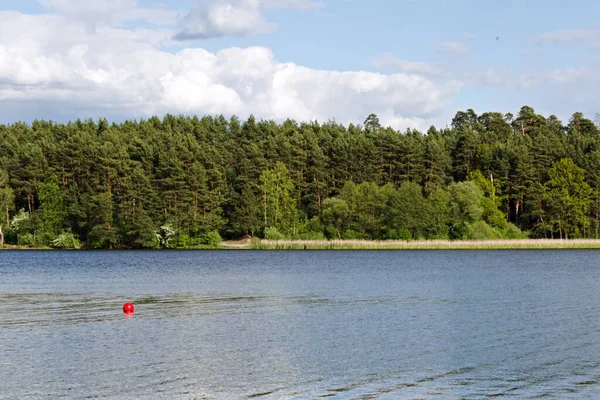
<point x="10" y="236"/>
<point x="350" y="235"/>
<point x="66" y="240"/>
<point x="400" y="234"/>
<point x="513" y="232"/>
<point x="165" y="234"/>
<point x="183" y="241"/>
<point x="482" y="231"/>
<point x="211" y="239"/>
<point x="272" y="233"/>
<point x="25" y="239"/>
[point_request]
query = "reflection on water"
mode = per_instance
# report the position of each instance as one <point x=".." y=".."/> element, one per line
<point x="302" y="325"/>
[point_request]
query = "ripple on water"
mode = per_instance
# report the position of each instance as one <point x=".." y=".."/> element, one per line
<point x="343" y="325"/>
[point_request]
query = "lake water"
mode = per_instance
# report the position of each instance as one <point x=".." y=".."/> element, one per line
<point x="300" y="325"/>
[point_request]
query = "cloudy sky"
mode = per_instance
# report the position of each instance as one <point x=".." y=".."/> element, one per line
<point x="412" y="62"/>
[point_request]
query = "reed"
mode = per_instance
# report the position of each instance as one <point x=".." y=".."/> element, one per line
<point x="426" y="244"/>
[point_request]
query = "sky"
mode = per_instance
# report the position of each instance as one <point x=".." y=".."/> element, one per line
<point x="414" y="63"/>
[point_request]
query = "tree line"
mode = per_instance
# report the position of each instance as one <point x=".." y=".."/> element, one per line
<point x="190" y="181"/>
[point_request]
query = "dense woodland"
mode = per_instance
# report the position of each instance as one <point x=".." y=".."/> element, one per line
<point x="190" y="181"/>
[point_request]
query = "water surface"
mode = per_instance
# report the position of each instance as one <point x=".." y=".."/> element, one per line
<point x="301" y="325"/>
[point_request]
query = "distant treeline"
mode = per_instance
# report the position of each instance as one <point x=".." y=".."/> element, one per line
<point x="189" y="181"/>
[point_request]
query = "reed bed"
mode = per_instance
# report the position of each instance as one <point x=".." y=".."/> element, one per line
<point x="426" y="244"/>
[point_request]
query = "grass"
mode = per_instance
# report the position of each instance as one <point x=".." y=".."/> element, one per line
<point x="21" y="247"/>
<point x="256" y="244"/>
<point x="425" y="244"/>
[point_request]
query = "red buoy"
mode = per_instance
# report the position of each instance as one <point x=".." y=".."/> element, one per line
<point x="128" y="308"/>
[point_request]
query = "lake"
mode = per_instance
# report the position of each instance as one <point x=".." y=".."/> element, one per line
<point x="300" y="324"/>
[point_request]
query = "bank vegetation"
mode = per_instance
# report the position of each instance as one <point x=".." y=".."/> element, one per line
<point x="190" y="182"/>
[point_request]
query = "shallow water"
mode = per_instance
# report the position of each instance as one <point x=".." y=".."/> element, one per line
<point x="302" y="325"/>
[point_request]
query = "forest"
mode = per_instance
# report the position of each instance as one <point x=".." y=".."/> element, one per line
<point x="184" y="182"/>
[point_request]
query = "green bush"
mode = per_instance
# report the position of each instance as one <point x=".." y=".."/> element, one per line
<point x="312" y="225"/>
<point x="66" y="240"/>
<point x="25" y="239"/>
<point x="459" y="230"/>
<point x="513" y="232"/>
<point x="272" y="233"/>
<point x="352" y="235"/>
<point x="400" y="234"/>
<point x="482" y="231"/>
<point x="331" y="232"/>
<point x="212" y="239"/>
<point x="10" y="236"/>
<point x="183" y="241"/>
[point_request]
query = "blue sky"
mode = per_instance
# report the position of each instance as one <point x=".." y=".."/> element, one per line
<point x="414" y="62"/>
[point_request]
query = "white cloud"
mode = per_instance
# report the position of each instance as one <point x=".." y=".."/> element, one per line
<point x="57" y="69"/>
<point x="216" y="18"/>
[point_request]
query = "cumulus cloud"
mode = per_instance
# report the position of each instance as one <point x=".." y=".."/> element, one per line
<point x="216" y="18"/>
<point x="59" y="69"/>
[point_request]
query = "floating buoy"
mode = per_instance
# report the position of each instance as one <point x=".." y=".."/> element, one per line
<point x="128" y="308"/>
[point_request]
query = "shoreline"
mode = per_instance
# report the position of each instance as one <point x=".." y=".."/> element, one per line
<point x="256" y="244"/>
<point x="505" y="244"/>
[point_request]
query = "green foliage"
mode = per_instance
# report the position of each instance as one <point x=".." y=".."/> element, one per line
<point x="51" y="209"/>
<point x="10" y="236"/>
<point x="102" y="237"/>
<point x="437" y="215"/>
<point x="278" y="202"/>
<point x="310" y="235"/>
<point x="183" y="241"/>
<point x="7" y="199"/>
<point x="513" y="232"/>
<point x="103" y="234"/>
<point x="367" y="203"/>
<point x="466" y="201"/>
<point x="23" y="227"/>
<point x="20" y="222"/>
<point x="465" y="208"/>
<point x="164" y="235"/>
<point x="482" y="231"/>
<point x="492" y="215"/>
<point x="408" y="211"/>
<point x="400" y="234"/>
<point x="66" y="240"/>
<point x="212" y="239"/>
<point x="568" y="198"/>
<point x="26" y="239"/>
<point x="310" y="229"/>
<point x="335" y="215"/>
<point x="272" y="233"/>
<point x="484" y="184"/>
<point x="112" y="185"/>
<point x="349" y="234"/>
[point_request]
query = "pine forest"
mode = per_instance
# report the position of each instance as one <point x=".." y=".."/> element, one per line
<point x="185" y="182"/>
